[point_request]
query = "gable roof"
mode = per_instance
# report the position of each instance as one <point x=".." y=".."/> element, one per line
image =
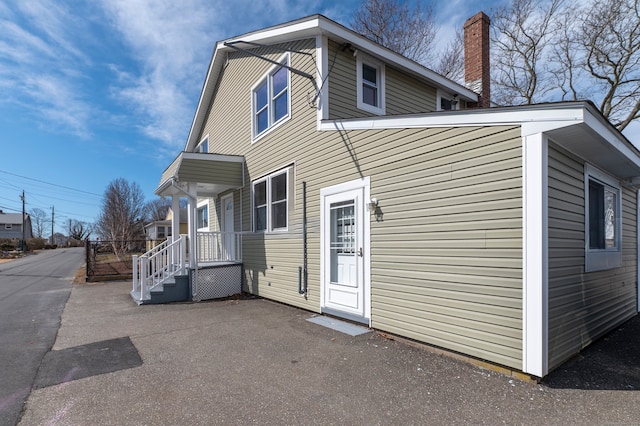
<point x="310" y="27"/>
<point x="12" y="218"/>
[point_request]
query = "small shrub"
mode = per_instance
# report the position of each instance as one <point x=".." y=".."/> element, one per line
<point x="36" y="244"/>
<point x="8" y="244"/>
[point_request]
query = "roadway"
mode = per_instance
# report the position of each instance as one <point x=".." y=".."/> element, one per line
<point x="33" y="293"/>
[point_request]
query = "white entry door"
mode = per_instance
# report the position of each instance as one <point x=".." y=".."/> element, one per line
<point x="345" y="252"/>
<point x="228" y="238"/>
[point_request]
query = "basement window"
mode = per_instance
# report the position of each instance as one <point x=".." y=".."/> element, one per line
<point x="603" y="221"/>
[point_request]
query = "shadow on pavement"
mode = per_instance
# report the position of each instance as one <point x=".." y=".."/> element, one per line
<point x="611" y="363"/>
<point x="87" y="360"/>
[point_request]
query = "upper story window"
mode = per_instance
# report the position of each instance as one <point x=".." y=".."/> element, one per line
<point x="203" y="146"/>
<point x="603" y="221"/>
<point x="370" y="81"/>
<point x="271" y="202"/>
<point x="446" y="102"/>
<point x="271" y="100"/>
<point x="202" y="216"/>
<point x="8" y="226"/>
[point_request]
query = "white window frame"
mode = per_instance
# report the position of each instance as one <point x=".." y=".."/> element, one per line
<point x="201" y="146"/>
<point x="268" y="78"/>
<point x="8" y="226"/>
<point x="379" y="67"/>
<point x="269" y="201"/>
<point x="201" y="206"/>
<point x="444" y="95"/>
<point x="602" y="259"/>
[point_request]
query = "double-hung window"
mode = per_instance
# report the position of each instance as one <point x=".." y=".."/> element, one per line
<point x="271" y="100"/>
<point x="271" y="202"/>
<point x="202" y="217"/>
<point x="603" y="227"/>
<point x="370" y="81"/>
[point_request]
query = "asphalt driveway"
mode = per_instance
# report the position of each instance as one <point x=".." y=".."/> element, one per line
<point x="256" y="361"/>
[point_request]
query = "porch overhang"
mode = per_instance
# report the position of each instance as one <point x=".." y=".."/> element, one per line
<point x="210" y="174"/>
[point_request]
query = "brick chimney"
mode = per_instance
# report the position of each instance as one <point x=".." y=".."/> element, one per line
<point x="476" y="58"/>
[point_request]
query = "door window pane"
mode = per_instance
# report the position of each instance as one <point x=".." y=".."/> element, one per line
<point x="342" y="243"/>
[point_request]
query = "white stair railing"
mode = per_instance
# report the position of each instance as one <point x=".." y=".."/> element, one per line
<point x="158" y="265"/>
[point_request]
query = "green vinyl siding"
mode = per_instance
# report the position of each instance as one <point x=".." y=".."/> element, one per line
<point x="446" y="247"/>
<point x="583" y="306"/>
<point x="446" y="255"/>
<point x="404" y="94"/>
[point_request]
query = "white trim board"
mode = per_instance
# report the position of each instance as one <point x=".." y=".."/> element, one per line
<point x="535" y="273"/>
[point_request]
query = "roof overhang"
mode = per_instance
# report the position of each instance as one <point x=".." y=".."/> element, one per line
<point x="577" y="127"/>
<point x="201" y="174"/>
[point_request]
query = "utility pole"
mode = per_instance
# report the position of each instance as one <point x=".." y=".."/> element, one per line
<point x="23" y="243"/>
<point x="52" y="215"/>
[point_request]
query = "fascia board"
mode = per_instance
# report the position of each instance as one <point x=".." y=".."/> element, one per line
<point x="616" y="142"/>
<point x="211" y="157"/>
<point x="533" y="120"/>
<point x="553" y="118"/>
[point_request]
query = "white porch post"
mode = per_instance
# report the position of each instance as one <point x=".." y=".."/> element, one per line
<point x="193" y="225"/>
<point x="535" y="274"/>
<point x="175" y="219"/>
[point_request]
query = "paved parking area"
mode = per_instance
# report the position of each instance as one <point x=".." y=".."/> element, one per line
<point x="256" y="361"/>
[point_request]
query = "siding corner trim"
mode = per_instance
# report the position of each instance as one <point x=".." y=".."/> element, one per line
<point x="535" y="283"/>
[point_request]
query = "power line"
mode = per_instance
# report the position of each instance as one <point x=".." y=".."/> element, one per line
<point x="52" y="184"/>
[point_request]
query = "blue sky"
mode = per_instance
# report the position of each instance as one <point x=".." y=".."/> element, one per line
<point x="91" y="91"/>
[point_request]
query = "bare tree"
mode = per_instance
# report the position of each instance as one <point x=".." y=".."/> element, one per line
<point x="39" y="220"/>
<point x="409" y="31"/>
<point x="451" y="62"/>
<point x="157" y="209"/>
<point x="610" y="34"/>
<point x="521" y="33"/>
<point x="78" y="230"/>
<point x="565" y="58"/>
<point x="121" y="219"/>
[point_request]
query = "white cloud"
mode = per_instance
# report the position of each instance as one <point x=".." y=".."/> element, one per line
<point x="172" y="43"/>
<point x="168" y="41"/>
<point x="39" y="65"/>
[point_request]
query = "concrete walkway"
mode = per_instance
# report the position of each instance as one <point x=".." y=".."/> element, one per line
<point x="255" y="361"/>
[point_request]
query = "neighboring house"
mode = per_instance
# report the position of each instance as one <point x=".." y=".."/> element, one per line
<point x="360" y="184"/>
<point x="158" y="231"/>
<point x="11" y="226"/>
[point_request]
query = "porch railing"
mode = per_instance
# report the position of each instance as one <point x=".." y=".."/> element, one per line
<point x="219" y="246"/>
<point x="158" y="265"/>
